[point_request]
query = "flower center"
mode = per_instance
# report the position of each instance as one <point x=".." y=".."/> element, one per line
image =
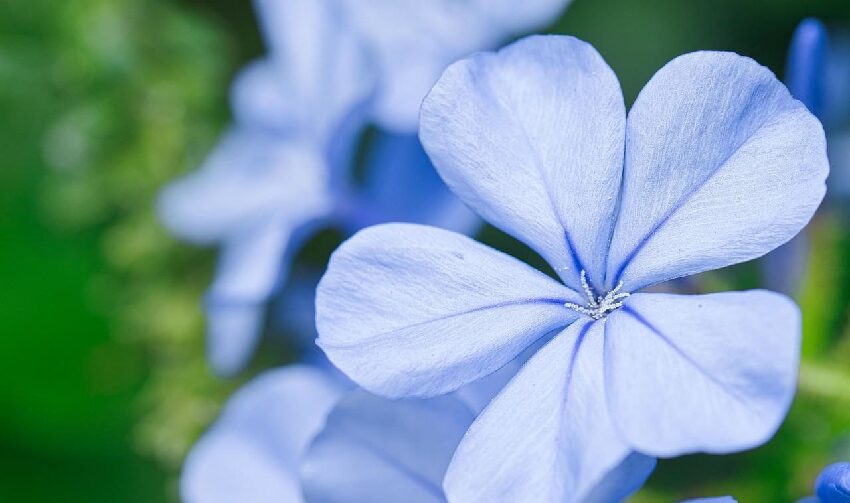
<point x="598" y="305"/>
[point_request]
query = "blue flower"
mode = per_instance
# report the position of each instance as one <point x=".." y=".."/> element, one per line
<point x="715" y="164"/>
<point x="252" y="452"/>
<point x="833" y="484"/>
<point x="818" y="74"/>
<point x="721" y="499"/>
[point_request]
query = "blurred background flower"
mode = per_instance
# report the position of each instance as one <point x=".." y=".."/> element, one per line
<point x="105" y="385"/>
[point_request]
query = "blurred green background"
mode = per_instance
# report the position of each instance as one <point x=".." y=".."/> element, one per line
<point x="102" y="381"/>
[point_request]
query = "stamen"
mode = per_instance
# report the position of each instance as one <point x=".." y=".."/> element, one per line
<point x="598" y="305"/>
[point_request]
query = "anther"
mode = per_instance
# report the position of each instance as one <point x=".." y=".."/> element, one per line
<point x="598" y="305"/>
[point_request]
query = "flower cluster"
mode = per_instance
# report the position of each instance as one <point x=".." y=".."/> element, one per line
<point x="451" y="371"/>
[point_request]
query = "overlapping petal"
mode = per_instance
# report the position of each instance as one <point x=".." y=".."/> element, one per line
<point x="410" y="310"/>
<point x="532" y="139"/>
<point x="710" y="373"/>
<point x="722" y="166"/>
<point x="378" y="450"/>
<point x="547" y="437"/>
<point x="252" y="451"/>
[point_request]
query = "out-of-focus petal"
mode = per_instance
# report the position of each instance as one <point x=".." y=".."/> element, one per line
<point x="833" y="484"/>
<point x="319" y="59"/>
<point x="722" y="166"/>
<point x="531" y="138"/>
<point x="252" y="451"/>
<point x="806" y="67"/>
<point x="706" y="373"/>
<point x="249" y="178"/>
<point x="547" y="437"/>
<point x="411" y="310"/>
<point x="378" y="450"/>
<point x="412" y="42"/>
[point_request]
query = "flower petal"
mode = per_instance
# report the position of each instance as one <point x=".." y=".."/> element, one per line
<point x="258" y="98"/>
<point x="319" y="61"/>
<point x="411" y="310"/>
<point x="707" y="373"/>
<point x="250" y="267"/>
<point x="378" y="450"/>
<point x="833" y="483"/>
<point x="531" y="138"/>
<point x="233" y="333"/>
<point x="719" y="499"/>
<point x="250" y="177"/>
<point x="547" y="437"/>
<point x="806" y="68"/>
<point x="722" y="166"/>
<point x="403" y="186"/>
<point x="246" y="455"/>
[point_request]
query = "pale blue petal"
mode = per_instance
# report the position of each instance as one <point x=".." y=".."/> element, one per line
<point x="531" y="138"/>
<point x="248" y="273"/>
<point x="224" y="467"/>
<point x="547" y="437"/>
<point x="721" y="499"/>
<point x="251" y="176"/>
<point x="806" y="67"/>
<point x="411" y="310"/>
<point x="378" y="450"/>
<point x="252" y="451"/>
<point x="320" y="62"/>
<point x="233" y="333"/>
<point x="833" y="483"/>
<point x="402" y="186"/>
<point x="258" y="98"/>
<point x="722" y="166"/>
<point x="622" y="480"/>
<point x="705" y="373"/>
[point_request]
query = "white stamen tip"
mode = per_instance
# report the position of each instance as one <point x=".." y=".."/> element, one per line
<point x="598" y="306"/>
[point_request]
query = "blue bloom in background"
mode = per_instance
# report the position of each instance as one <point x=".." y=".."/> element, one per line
<point x="833" y="484"/>
<point x="268" y="180"/>
<point x="252" y="453"/>
<point x="818" y="74"/>
<point x="715" y="164"/>
<point x="284" y="170"/>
